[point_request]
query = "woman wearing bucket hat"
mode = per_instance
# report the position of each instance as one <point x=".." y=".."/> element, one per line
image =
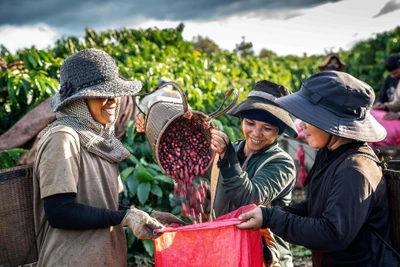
<point x="332" y="62"/>
<point x="255" y="170"/>
<point x="344" y="220"/>
<point x="76" y="177"/>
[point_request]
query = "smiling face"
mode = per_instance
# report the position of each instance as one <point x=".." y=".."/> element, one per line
<point x="315" y="137"/>
<point x="258" y="134"/>
<point x="103" y="110"/>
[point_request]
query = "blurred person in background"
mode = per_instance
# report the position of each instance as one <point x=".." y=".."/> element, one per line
<point x="332" y="62"/>
<point x="389" y="95"/>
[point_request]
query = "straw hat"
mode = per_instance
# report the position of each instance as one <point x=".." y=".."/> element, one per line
<point x="91" y="73"/>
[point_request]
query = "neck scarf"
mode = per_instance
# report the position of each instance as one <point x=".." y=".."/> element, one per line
<point x="96" y="138"/>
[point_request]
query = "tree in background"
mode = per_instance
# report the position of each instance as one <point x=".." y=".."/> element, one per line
<point x="205" y="45"/>
<point x="244" y="49"/>
<point x="267" y="53"/>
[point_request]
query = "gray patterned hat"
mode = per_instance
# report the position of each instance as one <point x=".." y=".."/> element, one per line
<point x="91" y="73"/>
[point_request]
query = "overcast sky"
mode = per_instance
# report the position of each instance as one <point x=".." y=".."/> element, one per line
<point x="283" y="26"/>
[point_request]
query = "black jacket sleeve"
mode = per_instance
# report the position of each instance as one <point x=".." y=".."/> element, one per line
<point x="383" y="97"/>
<point x="342" y="219"/>
<point x="300" y="209"/>
<point x="64" y="212"/>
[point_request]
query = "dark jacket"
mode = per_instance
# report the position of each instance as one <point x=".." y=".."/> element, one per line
<point x="386" y="93"/>
<point x="273" y="183"/>
<point x="347" y="201"/>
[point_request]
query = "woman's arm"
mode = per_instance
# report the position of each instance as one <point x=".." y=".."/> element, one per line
<point x="64" y="212"/>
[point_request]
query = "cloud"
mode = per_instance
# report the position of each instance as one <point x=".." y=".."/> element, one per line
<point x="388" y="8"/>
<point x="78" y="14"/>
<point x="41" y="36"/>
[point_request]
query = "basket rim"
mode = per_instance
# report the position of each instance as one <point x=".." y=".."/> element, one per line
<point x="158" y="139"/>
<point x="15" y="172"/>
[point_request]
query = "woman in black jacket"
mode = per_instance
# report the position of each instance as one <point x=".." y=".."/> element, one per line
<point x="346" y="209"/>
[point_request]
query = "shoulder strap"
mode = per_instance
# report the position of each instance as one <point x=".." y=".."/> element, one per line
<point x="280" y="154"/>
<point x="368" y="156"/>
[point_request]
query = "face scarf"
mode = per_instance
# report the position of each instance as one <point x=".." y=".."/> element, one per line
<point x="96" y="138"/>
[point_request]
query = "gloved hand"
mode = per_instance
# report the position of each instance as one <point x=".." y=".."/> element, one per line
<point x="141" y="223"/>
<point x="167" y="218"/>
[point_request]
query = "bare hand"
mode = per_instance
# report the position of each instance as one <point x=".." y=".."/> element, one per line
<point x="379" y="106"/>
<point x="391" y="116"/>
<point x="139" y="123"/>
<point x="219" y="141"/>
<point x="252" y="219"/>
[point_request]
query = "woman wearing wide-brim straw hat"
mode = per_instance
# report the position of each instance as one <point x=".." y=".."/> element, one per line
<point x="78" y="221"/>
<point x="332" y="62"/>
<point x="345" y="216"/>
<point x="255" y="170"/>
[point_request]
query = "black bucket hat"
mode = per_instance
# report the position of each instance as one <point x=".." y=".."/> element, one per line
<point x="337" y="103"/>
<point x="91" y="73"/>
<point x="262" y="97"/>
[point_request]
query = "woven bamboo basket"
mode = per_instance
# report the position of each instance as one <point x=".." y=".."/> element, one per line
<point x="162" y="113"/>
<point x="17" y="230"/>
<point x="392" y="176"/>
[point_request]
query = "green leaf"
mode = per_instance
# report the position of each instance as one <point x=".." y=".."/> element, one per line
<point x="125" y="173"/>
<point x="155" y="166"/>
<point x="218" y="124"/>
<point x="130" y="238"/>
<point x="156" y="190"/>
<point x="8" y="162"/>
<point x="132" y="183"/>
<point x="32" y="60"/>
<point x="143" y="191"/>
<point x="149" y="246"/>
<point x="177" y="210"/>
<point x="163" y="178"/>
<point x="142" y="174"/>
<point x="230" y="133"/>
<point x="134" y="160"/>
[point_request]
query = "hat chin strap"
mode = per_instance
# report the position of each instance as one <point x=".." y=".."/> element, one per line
<point x="329" y="140"/>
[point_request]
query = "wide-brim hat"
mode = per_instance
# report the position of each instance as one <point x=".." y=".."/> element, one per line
<point x="337" y="103"/>
<point x="91" y="73"/>
<point x="342" y="65"/>
<point x="262" y="97"/>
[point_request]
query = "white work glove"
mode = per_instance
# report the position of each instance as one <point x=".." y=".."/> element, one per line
<point x="141" y="223"/>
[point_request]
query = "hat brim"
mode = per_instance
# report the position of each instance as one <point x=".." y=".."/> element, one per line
<point x="323" y="65"/>
<point x="367" y="130"/>
<point x="108" y="89"/>
<point x="278" y="112"/>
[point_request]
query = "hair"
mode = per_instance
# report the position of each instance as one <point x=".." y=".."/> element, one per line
<point x="392" y="62"/>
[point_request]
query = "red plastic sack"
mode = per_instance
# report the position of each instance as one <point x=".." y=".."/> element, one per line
<point x="211" y="244"/>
